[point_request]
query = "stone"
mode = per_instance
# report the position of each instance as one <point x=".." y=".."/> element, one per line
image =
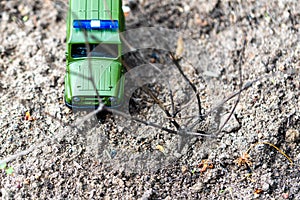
<point x="232" y="125"/>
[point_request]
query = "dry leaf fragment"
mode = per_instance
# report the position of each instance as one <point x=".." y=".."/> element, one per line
<point x="160" y="148"/>
<point x="28" y="116"/>
<point x="244" y="159"/>
<point x="258" y="191"/>
<point x="27" y="181"/>
<point x="205" y="164"/>
<point x="180" y="48"/>
<point x="184" y="169"/>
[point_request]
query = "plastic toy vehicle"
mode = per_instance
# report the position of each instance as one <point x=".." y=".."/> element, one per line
<point x="94" y="25"/>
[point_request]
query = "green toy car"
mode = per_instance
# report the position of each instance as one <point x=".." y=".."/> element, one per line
<point x="94" y="50"/>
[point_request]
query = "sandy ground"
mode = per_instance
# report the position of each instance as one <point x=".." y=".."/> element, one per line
<point x="121" y="158"/>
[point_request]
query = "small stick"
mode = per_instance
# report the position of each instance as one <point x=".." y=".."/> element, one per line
<point x="272" y="145"/>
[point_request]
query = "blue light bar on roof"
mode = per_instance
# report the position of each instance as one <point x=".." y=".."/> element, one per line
<point x="96" y="24"/>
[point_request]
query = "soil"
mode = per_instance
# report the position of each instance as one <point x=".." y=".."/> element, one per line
<point x="52" y="152"/>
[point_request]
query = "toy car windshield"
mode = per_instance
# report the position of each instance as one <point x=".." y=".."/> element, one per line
<point x="96" y="50"/>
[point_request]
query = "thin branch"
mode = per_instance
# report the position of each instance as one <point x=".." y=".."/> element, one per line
<point x="22" y="153"/>
<point x="176" y="62"/>
<point x="156" y="100"/>
<point x="147" y="123"/>
<point x="170" y="91"/>
<point x="160" y="104"/>
<point x="241" y="55"/>
<point x="246" y="86"/>
<point x="62" y="134"/>
<point x="272" y="145"/>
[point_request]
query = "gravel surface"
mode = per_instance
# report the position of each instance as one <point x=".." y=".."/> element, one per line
<point x="58" y="155"/>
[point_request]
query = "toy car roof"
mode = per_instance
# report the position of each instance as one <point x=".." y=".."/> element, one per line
<point x="93" y="10"/>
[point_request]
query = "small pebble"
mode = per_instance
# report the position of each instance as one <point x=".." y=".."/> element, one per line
<point x="292" y="135"/>
<point x="285" y="195"/>
<point x="265" y="187"/>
